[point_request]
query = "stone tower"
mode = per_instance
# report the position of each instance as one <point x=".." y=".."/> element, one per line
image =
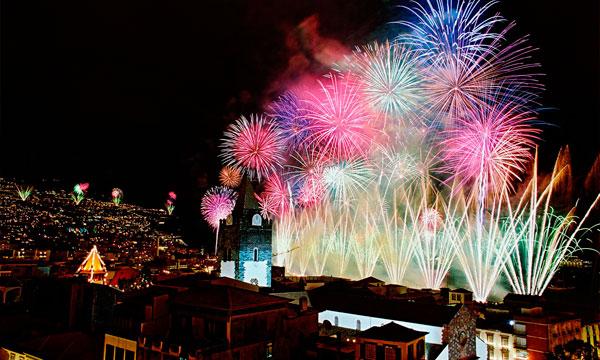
<point x="244" y="247"/>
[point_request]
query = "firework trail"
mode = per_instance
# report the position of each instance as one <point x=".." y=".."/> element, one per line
<point x="217" y="204"/>
<point x="254" y="145"/>
<point x="544" y="238"/>
<point x="117" y="196"/>
<point x="24" y="192"/>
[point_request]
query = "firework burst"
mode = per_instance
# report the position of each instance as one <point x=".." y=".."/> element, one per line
<point x="340" y="123"/>
<point x="79" y="191"/>
<point x="230" y="176"/>
<point x="254" y="145"/>
<point x="117" y="196"/>
<point x="217" y="204"/>
<point x="391" y="76"/>
<point x="24" y="192"/>
<point x="170" y="203"/>
<point x="290" y="118"/>
<point x="490" y="146"/>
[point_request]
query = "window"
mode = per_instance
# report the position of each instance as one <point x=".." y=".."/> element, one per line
<point x="256" y="220"/>
<point x="358" y="325"/>
<point x="109" y="353"/>
<point x="119" y="353"/>
<point x="504" y="341"/>
<point x="129" y="355"/>
<point x="269" y="350"/>
<point x="420" y="349"/>
<point x="336" y="321"/>
<point x="370" y="352"/>
<point x="255" y="254"/>
<point x="504" y="354"/>
<point x="229" y="220"/>
<point x="490" y="338"/>
<point x="228" y="254"/>
<point x="390" y="353"/>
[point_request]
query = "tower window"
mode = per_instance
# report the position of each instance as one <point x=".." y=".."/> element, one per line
<point x="255" y="254"/>
<point x="256" y="220"/>
<point x="229" y="220"/>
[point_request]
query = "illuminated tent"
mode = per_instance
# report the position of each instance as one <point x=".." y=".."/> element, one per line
<point x="93" y="267"/>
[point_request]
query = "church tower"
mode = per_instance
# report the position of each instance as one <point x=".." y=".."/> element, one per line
<point x="245" y="239"/>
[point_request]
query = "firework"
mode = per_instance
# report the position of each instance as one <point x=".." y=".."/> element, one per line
<point x="340" y="124"/>
<point x="79" y="191"/>
<point x="230" y="176"/>
<point x="466" y="60"/>
<point x="254" y="145"/>
<point x="489" y="146"/>
<point x="391" y="76"/>
<point x="482" y="241"/>
<point x="170" y="203"/>
<point x="276" y="198"/>
<point x="117" y="196"/>
<point x="345" y="179"/>
<point x="290" y="118"/>
<point x="544" y="238"/>
<point x="217" y="204"/>
<point x="24" y="192"/>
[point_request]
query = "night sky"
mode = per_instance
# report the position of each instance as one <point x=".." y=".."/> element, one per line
<point x="136" y="94"/>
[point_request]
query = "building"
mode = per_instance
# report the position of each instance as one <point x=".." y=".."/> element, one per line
<point x="390" y="342"/>
<point x="343" y="306"/>
<point x="195" y="317"/>
<point x="539" y="333"/>
<point x="590" y="334"/>
<point x="118" y="348"/>
<point x="460" y="296"/>
<point x="495" y="328"/>
<point x="245" y="247"/>
<point x="93" y="267"/>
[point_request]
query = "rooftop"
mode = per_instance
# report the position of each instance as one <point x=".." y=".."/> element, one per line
<point x="392" y="332"/>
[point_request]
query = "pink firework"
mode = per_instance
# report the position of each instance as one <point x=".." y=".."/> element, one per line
<point x="278" y="193"/>
<point x="254" y="145"/>
<point x="217" y="204"/>
<point x="339" y="120"/>
<point x="311" y="193"/>
<point x="269" y="206"/>
<point x="84" y="186"/>
<point x="490" y="145"/>
<point x="172" y="195"/>
<point x="230" y="176"/>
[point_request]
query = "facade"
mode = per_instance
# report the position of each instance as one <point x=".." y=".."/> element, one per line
<point x="539" y="333"/>
<point x="245" y="247"/>
<point x="501" y="345"/>
<point x="390" y="342"/>
<point x="118" y="348"/>
<point x="460" y="296"/>
<point x="195" y="318"/>
<point x="590" y="334"/>
<point x="361" y="309"/>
